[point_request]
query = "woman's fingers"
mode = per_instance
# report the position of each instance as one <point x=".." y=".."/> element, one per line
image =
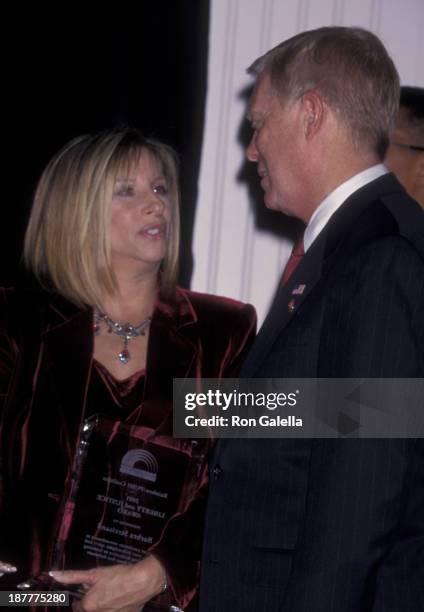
<point x="84" y="577"/>
<point x="123" y="588"/>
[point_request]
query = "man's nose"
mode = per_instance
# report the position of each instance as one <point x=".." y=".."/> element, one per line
<point x="252" y="153"/>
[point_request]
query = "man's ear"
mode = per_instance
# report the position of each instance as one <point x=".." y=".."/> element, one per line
<point x="313" y="109"/>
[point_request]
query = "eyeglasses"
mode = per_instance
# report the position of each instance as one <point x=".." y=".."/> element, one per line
<point x="408" y="146"/>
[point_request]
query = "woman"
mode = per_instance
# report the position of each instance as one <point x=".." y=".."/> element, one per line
<point x="106" y="334"/>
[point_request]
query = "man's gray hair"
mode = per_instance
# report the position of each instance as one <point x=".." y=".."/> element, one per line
<point x="350" y="68"/>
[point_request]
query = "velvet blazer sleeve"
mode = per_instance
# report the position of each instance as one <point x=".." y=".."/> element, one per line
<point x="226" y="331"/>
<point x="8" y="354"/>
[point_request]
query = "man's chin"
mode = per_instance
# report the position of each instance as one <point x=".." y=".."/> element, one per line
<point x="271" y="202"/>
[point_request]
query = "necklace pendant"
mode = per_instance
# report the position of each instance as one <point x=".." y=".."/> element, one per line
<point x="124" y="356"/>
<point x="126" y="332"/>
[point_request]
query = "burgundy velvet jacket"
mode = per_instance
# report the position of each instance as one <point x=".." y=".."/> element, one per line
<point x="46" y="354"/>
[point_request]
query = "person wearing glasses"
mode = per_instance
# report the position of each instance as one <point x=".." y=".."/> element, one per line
<point x="405" y="156"/>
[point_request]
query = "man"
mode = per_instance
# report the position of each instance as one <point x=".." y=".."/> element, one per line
<point x="405" y="156"/>
<point x="332" y="525"/>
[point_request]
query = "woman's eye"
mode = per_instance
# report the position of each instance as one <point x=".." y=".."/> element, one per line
<point x="124" y="191"/>
<point x="160" y="189"/>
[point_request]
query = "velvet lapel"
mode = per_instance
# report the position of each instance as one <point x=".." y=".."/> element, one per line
<point x="309" y="272"/>
<point x="173" y="352"/>
<point x="69" y="350"/>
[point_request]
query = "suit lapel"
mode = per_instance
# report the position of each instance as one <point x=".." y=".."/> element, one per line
<point x="286" y="303"/>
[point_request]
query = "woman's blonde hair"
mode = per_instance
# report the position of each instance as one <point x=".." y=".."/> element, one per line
<point x="67" y="241"/>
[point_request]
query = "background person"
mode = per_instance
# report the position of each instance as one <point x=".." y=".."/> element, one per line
<point x="405" y="155"/>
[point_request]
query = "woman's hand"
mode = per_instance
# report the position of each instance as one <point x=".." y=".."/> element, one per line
<point x="6" y="568"/>
<point x="117" y="587"/>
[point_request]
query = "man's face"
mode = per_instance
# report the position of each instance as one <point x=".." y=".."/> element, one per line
<point x="275" y="148"/>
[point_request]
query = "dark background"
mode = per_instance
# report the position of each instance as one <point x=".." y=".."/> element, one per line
<point x="70" y="68"/>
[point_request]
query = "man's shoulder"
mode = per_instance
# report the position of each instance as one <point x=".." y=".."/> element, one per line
<point x="408" y="217"/>
<point x="392" y="222"/>
<point x="381" y="211"/>
<point x="383" y="237"/>
<point x="375" y="245"/>
<point x="390" y="206"/>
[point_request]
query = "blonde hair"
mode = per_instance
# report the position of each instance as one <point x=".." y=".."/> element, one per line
<point x="67" y="241"/>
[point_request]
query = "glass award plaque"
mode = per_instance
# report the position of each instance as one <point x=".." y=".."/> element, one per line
<point x="125" y="485"/>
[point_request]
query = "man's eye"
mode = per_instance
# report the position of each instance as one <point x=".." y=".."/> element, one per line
<point x="160" y="189"/>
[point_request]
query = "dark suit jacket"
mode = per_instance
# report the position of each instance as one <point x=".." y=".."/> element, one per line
<point x="46" y="353"/>
<point x="330" y="525"/>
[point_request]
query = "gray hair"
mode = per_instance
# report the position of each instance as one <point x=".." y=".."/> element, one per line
<point x="350" y="68"/>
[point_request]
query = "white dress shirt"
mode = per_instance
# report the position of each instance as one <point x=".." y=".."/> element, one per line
<point x="335" y="199"/>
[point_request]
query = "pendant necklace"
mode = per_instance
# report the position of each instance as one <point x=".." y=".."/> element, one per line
<point x="126" y="332"/>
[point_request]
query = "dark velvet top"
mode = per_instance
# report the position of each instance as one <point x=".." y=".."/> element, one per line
<point x="48" y="387"/>
<point x="122" y="401"/>
<point x="115" y="399"/>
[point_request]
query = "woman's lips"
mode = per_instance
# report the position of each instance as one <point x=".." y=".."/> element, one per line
<point x="155" y="231"/>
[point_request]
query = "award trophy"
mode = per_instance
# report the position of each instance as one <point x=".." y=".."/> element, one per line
<point x="124" y="487"/>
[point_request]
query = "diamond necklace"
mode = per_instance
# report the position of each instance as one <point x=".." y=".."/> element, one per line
<point x="126" y="331"/>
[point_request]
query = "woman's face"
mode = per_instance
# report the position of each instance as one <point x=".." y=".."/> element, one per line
<point x="140" y="217"/>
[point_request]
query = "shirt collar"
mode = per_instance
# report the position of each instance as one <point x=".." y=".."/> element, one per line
<point x="335" y="199"/>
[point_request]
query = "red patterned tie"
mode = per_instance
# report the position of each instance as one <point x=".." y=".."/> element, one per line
<point x="294" y="259"/>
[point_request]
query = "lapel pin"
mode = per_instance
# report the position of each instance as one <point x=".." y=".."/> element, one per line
<point x="291" y="305"/>
<point x="298" y="290"/>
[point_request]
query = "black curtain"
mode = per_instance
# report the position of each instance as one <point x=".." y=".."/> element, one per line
<point x="70" y="68"/>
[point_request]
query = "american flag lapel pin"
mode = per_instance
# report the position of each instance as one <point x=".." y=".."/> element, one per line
<point x="298" y="290"/>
